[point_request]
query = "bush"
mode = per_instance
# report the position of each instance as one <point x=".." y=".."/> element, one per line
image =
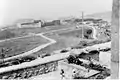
<point x="89" y="31"/>
<point x="88" y="34"/>
<point x="45" y="55"/>
<point x="83" y="43"/>
<point x="63" y="51"/>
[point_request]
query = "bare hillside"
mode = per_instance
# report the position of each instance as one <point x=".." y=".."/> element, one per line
<point x="104" y="15"/>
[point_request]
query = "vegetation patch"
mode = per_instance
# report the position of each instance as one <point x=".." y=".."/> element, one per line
<point x="25" y="31"/>
<point x="19" y="46"/>
<point x="6" y="34"/>
<point x="77" y="33"/>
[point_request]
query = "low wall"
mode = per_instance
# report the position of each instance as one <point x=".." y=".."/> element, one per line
<point x="31" y="71"/>
<point x="33" y="68"/>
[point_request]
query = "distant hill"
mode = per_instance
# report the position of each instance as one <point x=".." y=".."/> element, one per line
<point x="104" y="16"/>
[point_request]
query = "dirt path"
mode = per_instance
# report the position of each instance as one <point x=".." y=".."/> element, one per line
<point x="51" y="41"/>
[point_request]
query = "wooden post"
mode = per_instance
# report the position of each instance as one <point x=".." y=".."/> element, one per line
<point x="82" y="25"/>
<point x="115" y="40"/>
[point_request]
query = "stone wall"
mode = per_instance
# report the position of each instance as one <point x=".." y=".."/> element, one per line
<point x="31" y="71"/>
<point x="36" y="67"/>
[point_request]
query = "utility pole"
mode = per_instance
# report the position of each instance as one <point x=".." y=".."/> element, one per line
<point x="115" y="40"/>
<point x="82" y="25"/>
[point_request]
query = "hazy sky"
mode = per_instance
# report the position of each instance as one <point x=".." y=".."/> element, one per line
<point x="11" y="10"/>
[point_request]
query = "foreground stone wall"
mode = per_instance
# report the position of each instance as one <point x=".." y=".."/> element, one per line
<point x="36" y="67"/>
<point x="31" y="71"/>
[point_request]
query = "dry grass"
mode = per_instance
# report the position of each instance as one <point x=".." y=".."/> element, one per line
<point x="62" y="42"/>
<point x="24" y="31"/>
<point x="73" y="33"/>
<point x="22" y="45"/>
<point x="19" y="46"/>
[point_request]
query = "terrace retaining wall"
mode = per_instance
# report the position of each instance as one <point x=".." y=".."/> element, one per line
<point x="31" y="71"/>
<point x="33" y="68"/>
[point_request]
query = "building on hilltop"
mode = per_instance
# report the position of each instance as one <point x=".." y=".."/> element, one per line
<point x="29" y="23"/>
<point x="51" y="23"/>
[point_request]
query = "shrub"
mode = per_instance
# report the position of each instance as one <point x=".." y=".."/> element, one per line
<point x="89" y="31"/>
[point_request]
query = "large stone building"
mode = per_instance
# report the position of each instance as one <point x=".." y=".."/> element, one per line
<point x="29" y="23"/>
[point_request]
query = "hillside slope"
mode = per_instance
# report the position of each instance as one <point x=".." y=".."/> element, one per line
<point x="104" y="15"/>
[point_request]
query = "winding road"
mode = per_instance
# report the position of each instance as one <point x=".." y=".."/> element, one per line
<point x="38" y="60"/>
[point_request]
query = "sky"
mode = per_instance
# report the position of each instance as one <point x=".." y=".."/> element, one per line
<point x="12" y="10"/>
